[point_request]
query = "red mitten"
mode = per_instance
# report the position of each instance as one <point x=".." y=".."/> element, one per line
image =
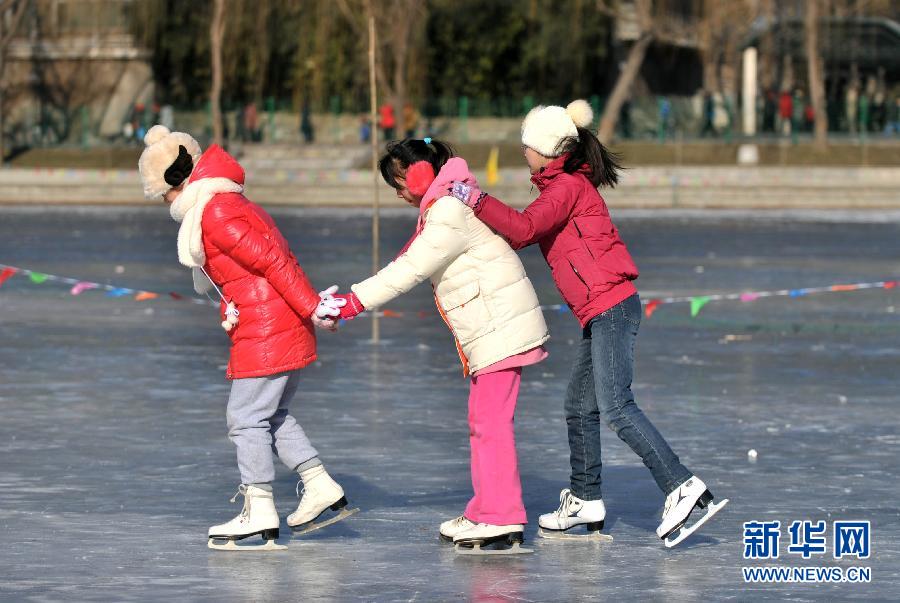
<point x="352" y="308"/>
<point x="419" y="177"/>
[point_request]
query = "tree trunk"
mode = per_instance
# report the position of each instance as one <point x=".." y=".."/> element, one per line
<point x="816" y="75"/>
<point x="623" y="87"/>
<point x="216" y="33"/>
<point x="8" y="30"/>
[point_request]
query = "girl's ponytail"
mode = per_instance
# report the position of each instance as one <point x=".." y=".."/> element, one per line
<point x="586" y="149"/>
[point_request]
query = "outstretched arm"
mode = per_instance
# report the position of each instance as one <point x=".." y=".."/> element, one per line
<point x="546" y="214"/>
<point x="441" y="241"/>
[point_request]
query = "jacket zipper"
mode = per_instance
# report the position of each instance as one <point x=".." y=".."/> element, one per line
<point x="578" y="274"/>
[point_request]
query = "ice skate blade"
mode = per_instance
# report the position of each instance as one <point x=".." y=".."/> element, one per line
<point x="314" y="525"/>
<point x="562" y="535"/>
<point x="232" y="546"/>
<point x="514" y="549"/>
<point x="712" y="509"/>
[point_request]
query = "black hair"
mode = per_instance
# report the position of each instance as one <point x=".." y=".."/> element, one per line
<point x="400" y="154"/>
<point x="586" y="149"/>
<point x="180" y="169"/>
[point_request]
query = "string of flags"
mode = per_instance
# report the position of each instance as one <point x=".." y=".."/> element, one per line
<point x="697" y="302"/>
<point x="78" y="286"/>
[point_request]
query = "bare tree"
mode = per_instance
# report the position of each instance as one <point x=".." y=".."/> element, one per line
<point x="629" y="72"/>
<point x="11" y="14"/>
<point x="216" y="33"/>
<point x="398" y="18"/>
<point x="816" y="73"/>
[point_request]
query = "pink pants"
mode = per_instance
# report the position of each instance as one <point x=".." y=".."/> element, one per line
<point x="495" y="468"/>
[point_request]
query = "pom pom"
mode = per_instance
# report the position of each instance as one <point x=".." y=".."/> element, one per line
<point x="581" y="113"/>
<point x="155" y="134"/>
<point x="419" y="177"/>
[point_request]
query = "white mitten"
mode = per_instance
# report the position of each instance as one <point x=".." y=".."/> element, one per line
<point x="231" y="317"/>
<point x="329" y="306"/>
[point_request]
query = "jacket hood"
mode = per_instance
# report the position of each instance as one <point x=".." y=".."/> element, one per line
<point x="217" y="163"/>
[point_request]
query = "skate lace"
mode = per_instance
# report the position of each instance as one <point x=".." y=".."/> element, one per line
<point x="242" y="489"/>
<point x="459" y="521"/>
<point x="564" y="501"/>
<point x="299" y="490"/>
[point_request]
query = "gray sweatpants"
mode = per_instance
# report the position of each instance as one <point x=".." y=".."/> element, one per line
<point x="259" y="425"/>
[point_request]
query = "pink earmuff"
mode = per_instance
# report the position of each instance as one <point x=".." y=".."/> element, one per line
<point x="419" y="177"/>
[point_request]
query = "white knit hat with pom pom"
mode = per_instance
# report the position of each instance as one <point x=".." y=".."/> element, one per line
<point x="545" y="127"/>
<point x="161" y="152"/>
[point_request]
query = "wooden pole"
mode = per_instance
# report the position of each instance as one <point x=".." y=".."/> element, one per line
<point x="373" y="136"/>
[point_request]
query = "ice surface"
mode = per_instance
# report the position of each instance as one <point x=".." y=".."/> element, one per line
<point x="115" y="458"/>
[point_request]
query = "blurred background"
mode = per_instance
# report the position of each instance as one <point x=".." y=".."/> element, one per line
<point x="671" y="81"/>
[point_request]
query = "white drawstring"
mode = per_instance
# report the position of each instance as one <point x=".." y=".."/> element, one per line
<point x="228" y="311"/>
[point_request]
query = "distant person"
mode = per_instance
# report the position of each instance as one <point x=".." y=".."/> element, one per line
<point x="251" y="122"/>
<point x="798" y="105"/>
<point x="785" y="112"/>
<point x="167" y="116"/>
<point x="625" y="118"/>
<point x="664" y="108"/>
<point x="709" y="111"/>
<point x="386" y="121"/>
<point x="365" y="129"/>
<point x="851" y="107"/>
<point x="770" y="104"/>
<point x="410" y="120"/>
<point x="306" y="125"/>
<point x="879" y="111"/>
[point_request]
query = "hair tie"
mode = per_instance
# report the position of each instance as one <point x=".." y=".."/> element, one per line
<point x="427" y="139"/>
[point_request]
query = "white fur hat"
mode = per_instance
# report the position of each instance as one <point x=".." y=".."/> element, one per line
<point x="161" y="152"/>
<point x="544" y="127"/>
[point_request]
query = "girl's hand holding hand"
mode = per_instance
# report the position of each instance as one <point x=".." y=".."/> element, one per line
<point x="351" y="306"/>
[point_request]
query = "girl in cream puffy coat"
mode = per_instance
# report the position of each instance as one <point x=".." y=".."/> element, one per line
<point x="486" y="299"/>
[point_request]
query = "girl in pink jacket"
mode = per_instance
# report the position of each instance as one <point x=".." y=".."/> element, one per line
<point x="594" y="273"/>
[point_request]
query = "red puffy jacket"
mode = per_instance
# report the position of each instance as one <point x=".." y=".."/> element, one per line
<point x="570" y="221"/>
<point x="250" y="261"/>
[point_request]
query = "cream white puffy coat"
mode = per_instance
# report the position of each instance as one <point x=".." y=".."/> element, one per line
<point x="479" y="283"/>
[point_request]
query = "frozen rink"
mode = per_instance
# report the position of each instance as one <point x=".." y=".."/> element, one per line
<point x="115" y="459"/>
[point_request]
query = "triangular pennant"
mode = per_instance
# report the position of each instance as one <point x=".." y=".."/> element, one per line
<point x="7" y="272"/>
<point x="38" y="277"/>
<point x="697" y="303"/>
<point x="652" y="305"/>
<point x="145" y="295"/>
<point x="81" y="287"/>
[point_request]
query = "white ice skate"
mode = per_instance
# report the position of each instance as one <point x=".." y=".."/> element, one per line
<point x="320" y="493"/>
<point x="679" y="504"/>
<point x="257" y="517"/>
<point x="506" y="539"/>
<point x="573" y="512"/>
<point x="452" y="527"/>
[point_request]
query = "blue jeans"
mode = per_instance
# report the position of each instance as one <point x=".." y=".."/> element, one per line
<point x="600" y="388"/>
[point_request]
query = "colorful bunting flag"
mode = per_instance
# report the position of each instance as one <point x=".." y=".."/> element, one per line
<point x="81" y="287"/>
<point x="697" y="303"/>
<point x="7" y="272"/>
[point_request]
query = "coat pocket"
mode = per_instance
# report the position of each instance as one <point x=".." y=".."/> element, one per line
<point x="466" y="312"/>
<point x="590" y="273"/>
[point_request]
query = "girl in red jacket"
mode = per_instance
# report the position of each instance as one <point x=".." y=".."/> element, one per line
<point x="233" y="245"/>
<point x="594" y="272"/>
